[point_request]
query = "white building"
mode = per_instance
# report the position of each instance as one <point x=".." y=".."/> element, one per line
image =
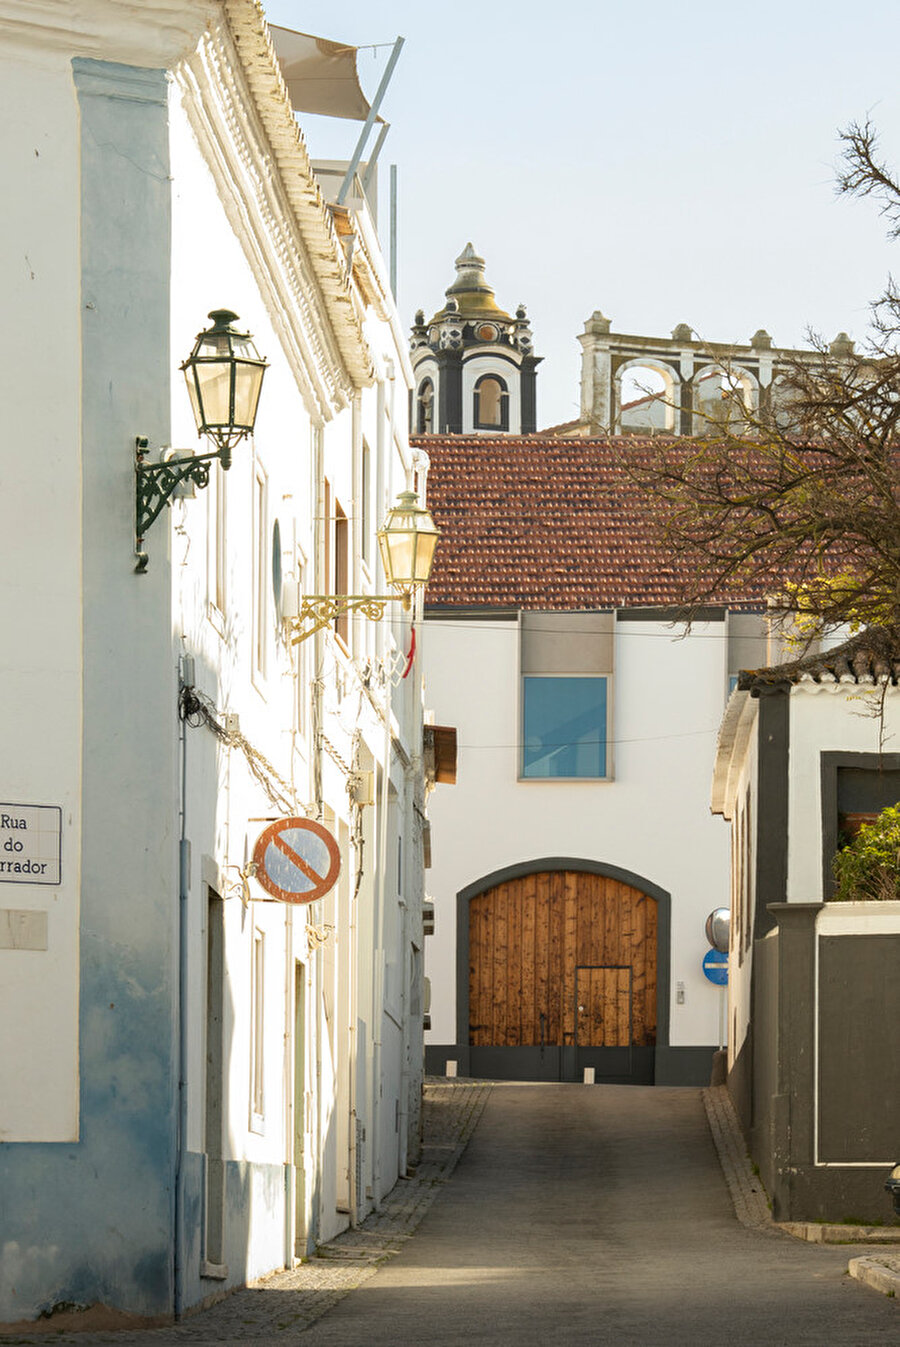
<point x="199" y="1084"/>
<point x="576" y="861"/>
<point x="807" y="752"/>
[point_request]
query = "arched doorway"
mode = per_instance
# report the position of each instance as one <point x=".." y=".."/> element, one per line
<point x="561" y="971"/>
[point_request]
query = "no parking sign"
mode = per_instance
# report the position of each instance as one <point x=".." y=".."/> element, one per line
<point x="297" y="860"/>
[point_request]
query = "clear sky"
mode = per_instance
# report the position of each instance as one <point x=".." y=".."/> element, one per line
<point x="662" y="162"/>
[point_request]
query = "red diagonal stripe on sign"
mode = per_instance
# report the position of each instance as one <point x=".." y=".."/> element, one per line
<point x="292" y="856"/>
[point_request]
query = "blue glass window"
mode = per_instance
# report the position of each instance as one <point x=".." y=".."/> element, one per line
<point x="564" y="725"/>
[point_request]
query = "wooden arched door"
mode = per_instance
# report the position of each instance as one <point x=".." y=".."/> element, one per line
<point x="562" y="975"/>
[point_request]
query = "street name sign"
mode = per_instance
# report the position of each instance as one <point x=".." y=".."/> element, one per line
<point x="30" y="843"/>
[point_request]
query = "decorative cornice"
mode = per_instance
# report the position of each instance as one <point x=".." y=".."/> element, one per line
<point x="236" y="103"/>
<point x="154" y="33"/>
<point x="324" y="255"/>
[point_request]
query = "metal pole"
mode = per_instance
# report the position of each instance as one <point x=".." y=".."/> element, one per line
<point x="373" y="159"/>
<point x="370" y="121"/>
<point x="392" y="253"/>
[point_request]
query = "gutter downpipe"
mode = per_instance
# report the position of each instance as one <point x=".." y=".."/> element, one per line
<point x="378" y="933"/>
<point x="184" y="879"/>
<point x="382" y="449"/>
<point x="320" y="527"/>
<point x="357" y="845"/>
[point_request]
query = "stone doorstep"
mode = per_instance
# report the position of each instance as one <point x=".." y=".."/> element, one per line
<point x="880" y="1271"/>
<point x="815" y="1232"/>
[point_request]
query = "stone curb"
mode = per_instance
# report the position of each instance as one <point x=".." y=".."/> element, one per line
<point x="815" y="1233"/>
<point x="879" y="1271"/>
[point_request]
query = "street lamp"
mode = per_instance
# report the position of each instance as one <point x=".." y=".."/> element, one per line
<point x="224" y="375"/>
<point x="406" y="540"/>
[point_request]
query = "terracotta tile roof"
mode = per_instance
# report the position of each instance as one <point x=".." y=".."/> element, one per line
<point x="550" y="523"/>
<point x="871" y="656"/>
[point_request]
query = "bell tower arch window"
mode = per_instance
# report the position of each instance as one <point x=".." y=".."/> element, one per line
<point x="425" y="408"/>
<point x="491" y="403"/>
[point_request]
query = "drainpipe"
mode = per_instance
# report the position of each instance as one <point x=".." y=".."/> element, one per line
<point x="404" y="1020"/>
<point x="289" y="1021"/>
<point x="353" y="1048"/>
<point x="186" y="680"/>
<point x="378" y="940"/>
<point x="315" y="959"/>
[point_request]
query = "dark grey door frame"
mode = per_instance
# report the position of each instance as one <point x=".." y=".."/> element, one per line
<point x="661" y="897"/>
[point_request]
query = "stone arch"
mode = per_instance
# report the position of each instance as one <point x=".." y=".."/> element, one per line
<point x="720" y="408"/>
<point x="662" y="406"/>
<point x="425" y="407"/>
<point x="490" y="407"/>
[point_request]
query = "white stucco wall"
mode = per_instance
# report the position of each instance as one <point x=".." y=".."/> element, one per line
<point x="653" y="818"/>
<point x="218" y="266"/>
<point x="40" y="599"/>
<point x="837" y="718"/>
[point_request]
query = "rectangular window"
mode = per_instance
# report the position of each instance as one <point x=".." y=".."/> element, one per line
<point x="257" y="1027"/>
<point x="260" y="573"/>
<point x="341" y="567"/>
<point x="217" y="549"/>
<point x="366" y="505"/>
<point x="564" y="724"/>
<point x="328" y="559"/>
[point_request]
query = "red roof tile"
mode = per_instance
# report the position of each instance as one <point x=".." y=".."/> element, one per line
<point x="548" y="523"/>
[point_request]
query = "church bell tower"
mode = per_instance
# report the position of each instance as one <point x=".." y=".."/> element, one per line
<point x="474" y="365"/>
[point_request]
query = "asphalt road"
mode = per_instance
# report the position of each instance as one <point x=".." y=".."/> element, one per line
<point x="594" y="1215"/>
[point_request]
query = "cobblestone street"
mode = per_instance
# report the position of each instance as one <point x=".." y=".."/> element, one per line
<point x="578" y="1216"/>
<point x="287" y="1302"/>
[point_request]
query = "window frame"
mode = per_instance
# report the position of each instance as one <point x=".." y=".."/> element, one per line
<point x="425" y="423"/>
<point x="477" y="421"/>
<point x="606" y="680"/>
<point x="262" y="551"/>
<point x="257" y="1031"/>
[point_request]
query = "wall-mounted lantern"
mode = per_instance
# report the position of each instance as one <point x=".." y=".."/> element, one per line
<point x="224" y="375"/>
<point x="407" y="541"/>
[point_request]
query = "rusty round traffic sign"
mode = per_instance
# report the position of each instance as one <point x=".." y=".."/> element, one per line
<point x="297" y="860"/>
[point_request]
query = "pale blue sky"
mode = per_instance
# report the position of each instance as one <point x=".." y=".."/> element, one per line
<point x="664" y="163"/>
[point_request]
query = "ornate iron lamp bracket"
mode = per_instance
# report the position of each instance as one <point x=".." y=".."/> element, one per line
<point x="321" y="609"/>
<point x="155" y="484"/>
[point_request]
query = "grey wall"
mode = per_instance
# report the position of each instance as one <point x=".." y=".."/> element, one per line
<point x="825" y="1077"/>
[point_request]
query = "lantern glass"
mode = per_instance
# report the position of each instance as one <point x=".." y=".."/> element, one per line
<point x="407" y="541"/>
<point x="248" y="377"/>
<point x="224" y="375"/>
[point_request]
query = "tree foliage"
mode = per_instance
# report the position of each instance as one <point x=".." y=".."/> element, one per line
<point x="869" y="866"/>
<point x="799" y="498"/>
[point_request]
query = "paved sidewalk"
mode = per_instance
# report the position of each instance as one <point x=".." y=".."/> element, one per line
<point x="282" y="1305"/>
<point x="877" y="1269"/>
<point x="748" y="1196"/>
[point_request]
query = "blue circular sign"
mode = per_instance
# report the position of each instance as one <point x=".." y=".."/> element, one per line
<point x="715" y="966"/>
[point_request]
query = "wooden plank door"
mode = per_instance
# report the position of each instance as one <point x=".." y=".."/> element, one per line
<point x="536" y="940"/>
<point x="603" y="996"/>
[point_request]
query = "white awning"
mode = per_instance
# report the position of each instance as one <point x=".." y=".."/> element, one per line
<point x="321" y="76"/>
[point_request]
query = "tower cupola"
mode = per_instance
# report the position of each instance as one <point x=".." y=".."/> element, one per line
<point x="474" y="364"/>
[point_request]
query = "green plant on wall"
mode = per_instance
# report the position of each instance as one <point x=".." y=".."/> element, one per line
<point x="869" y="866"/>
